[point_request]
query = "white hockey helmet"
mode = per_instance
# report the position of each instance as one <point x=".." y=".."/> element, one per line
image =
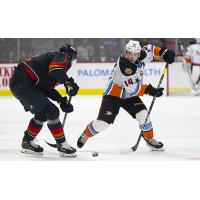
<point x="133" y="46"/>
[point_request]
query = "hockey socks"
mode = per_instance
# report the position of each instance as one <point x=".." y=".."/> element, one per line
<point x="33" y="129"/>
<point x="56" y="129"/>
<point x="91" y="130"/>
<point x="148" y="134"/>
<point x="88" y="132"/>
<point x="95" y="127"/>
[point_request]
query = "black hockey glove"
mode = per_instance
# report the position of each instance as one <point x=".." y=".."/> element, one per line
<point x="65" y="105"/>
<point x="152" y="91"/>
<point x="167" y="55"/>
<point x="71" y="87"/>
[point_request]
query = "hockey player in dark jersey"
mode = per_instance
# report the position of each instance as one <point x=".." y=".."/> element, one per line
<point x="124" y="90"/>
<point x="33" y="84"/>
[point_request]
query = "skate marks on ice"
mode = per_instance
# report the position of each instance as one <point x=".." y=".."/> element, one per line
<point x="176" y="122"/>
<point x="109" y="153"/>
<point x="116" y="149"/>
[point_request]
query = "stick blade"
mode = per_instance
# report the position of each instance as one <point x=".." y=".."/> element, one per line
<point x="134" y="148"/>
<point x="51" y="145"/>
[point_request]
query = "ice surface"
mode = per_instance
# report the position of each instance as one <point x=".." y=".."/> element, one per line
<point x="176" y="122"/>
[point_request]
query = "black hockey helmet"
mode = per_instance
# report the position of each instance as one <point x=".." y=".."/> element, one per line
<point x="71" y="50"/>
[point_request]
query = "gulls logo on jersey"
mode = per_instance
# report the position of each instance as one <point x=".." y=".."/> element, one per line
<point x="128" y="71"/>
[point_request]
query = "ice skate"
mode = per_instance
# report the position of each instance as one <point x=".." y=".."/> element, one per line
<point x="82" y="140"/>
<point x="195" y="92"/>
<point x="154" y="145"/>
<point x="30" y="147"/>
<point x="65" y="150"/>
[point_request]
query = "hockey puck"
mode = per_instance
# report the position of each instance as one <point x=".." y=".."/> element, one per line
<point x="95" y="154"/>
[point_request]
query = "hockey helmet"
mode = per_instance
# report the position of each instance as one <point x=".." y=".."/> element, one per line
<point x="133" y="46"/>
<point x="71" y="50"/>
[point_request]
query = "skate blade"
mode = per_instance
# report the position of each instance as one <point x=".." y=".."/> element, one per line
<point x="154" y="149"/>
<point x="64" y="155"/>
<point x="28" y="151"/>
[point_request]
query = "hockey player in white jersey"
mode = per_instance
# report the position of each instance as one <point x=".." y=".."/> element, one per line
<point x="192" y="64"/>
<point x="123" y="91"/>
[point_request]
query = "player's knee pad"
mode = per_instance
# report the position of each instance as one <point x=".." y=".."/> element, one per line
<point x="51" y="112"/>
<point x="109" y="109"/>
<point x="107" y="116"/>
<point x="100" y="125"/>
<point x="141" y="117"/>
<point x="40" y="117"/>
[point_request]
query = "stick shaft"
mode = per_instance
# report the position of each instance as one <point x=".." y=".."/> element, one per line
<point x="134" y="148"/>
<point x="65" y="116"/>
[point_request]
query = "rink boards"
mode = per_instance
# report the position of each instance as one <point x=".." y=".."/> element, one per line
<point x="93" y="77"/>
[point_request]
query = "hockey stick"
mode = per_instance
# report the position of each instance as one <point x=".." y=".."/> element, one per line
<point x="134" y="148"/>
<point x="188" y="71"/>
<point x="65" y="116"/>
<point x="63" y="124"/>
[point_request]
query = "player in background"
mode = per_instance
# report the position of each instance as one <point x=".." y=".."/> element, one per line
<point x="192" y="62"/>
<point x="124" y="90"/>
<point x="33" y="84"/>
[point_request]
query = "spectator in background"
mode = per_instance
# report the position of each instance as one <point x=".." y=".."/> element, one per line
<point x="156" y="41"/>
<point x="11" y="56"/>
<point x="83" y="50"/>
<point x="144" y="41"/>
<point x="102" y="54"/>
<point x="91" y="54"/>
<point x="2" y="50"/>
<point x="112" y="48"/>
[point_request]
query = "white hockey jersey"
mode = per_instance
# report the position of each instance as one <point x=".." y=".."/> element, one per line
<point x="193" y="54"/>
<point x="127" y="78"/>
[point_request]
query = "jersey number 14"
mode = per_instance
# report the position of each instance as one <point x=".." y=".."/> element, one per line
<point x="128" y="82"/>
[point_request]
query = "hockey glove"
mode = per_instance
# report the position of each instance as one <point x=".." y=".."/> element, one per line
<point x="65" y="105"/>
<point x="152" y="91"/>
<point x="167" y="55"/>
<point x="71" y="87"/>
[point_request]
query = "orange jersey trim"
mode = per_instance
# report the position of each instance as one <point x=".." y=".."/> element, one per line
<point x="56" y="65"/>
<point x="142" y="90"/>
<point x="115" y="91"/>
<point x="156" y="51"/>
<point x="188" y="59"/>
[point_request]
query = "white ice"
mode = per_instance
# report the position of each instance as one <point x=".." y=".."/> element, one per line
<point x="176" y="122"/>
